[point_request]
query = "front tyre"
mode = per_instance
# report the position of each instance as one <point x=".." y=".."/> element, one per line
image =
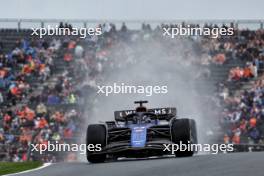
<point x="183" y="131"/>
<point x="96" y="134"/>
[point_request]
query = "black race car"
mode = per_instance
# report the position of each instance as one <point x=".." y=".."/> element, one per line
<point x="140" y="133"/>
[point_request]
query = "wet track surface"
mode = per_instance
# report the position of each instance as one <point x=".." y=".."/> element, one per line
<point x="235" y="164"/>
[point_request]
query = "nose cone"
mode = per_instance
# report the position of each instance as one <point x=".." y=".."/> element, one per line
<point x="138" y="136"/>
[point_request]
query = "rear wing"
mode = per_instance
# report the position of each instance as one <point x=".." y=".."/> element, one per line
<point x="162" y="113"/>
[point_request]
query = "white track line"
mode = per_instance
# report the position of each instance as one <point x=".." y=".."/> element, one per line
<point x="31" y="170"/>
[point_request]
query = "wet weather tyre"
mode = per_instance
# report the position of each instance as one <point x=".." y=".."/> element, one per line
<point x="183" y="131"/>
<point x="96" y="134"/>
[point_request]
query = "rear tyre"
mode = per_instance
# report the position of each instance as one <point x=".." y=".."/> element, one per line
<point x="183" y="131"/>
<point x="96" y="134"/>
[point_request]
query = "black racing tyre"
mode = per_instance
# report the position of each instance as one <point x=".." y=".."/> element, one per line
<point x="183" y="131"/>
<point x="96" y="134"/>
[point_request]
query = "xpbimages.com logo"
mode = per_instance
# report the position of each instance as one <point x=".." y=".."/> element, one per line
<point x="208" y="148"/>
<point x="131" y="89"/>
<point x="188" y="30"/>
<point x="57" y="31"/>
<point x="64" y="147"/>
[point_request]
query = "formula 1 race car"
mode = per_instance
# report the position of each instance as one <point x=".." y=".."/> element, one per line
<point x="140" y="133"/>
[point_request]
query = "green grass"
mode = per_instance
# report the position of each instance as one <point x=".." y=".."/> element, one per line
<point x="13" y="167"/>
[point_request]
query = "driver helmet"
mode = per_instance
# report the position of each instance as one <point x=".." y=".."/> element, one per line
<point x="141" y="109"/>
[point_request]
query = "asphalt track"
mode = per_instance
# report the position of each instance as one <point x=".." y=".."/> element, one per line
<point x="234" y="164"/>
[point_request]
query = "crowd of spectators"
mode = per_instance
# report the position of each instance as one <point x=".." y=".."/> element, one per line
<point x="242" y="116"/>
<point x="31" y="99"/>
<point x="250" y="71"/>
<point x="32" y="92"/>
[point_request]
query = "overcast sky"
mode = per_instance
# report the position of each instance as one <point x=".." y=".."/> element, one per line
<point x="133" y="9"/>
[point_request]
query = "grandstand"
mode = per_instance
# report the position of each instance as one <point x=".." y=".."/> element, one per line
<point x="42" y="95"/>
<point x="31" y="88"/>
